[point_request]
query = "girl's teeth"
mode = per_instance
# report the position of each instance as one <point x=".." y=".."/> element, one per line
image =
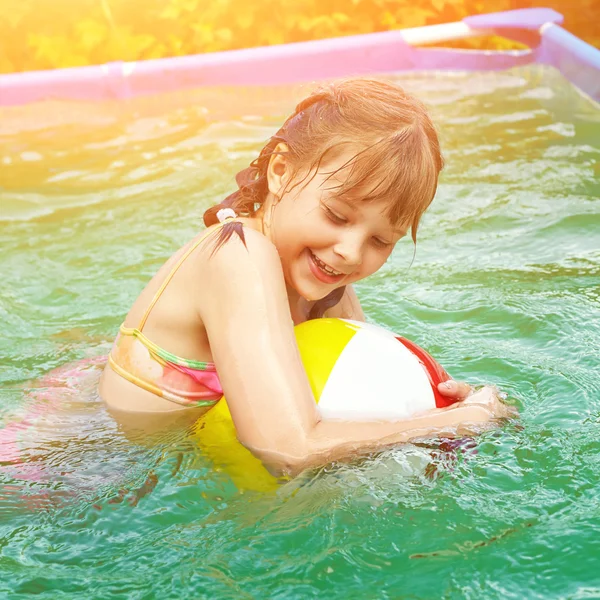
<point x="325" y="268"/>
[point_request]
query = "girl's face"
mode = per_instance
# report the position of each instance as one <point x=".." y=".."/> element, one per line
<point x="324" y="241"/>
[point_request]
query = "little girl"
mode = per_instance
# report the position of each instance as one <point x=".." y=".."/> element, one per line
<point x="345" y="177"/>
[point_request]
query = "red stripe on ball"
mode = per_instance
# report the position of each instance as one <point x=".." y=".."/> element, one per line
<point x="436" y="373"/>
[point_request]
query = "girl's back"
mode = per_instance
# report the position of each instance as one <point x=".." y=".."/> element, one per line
<point x="163" y="344"/>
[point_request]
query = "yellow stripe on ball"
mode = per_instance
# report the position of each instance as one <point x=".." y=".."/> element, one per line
<point x="321" y="342"/>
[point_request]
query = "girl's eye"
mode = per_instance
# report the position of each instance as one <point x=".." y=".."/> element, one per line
<point x="337" y="219"/>
<point x="381" y="243"/>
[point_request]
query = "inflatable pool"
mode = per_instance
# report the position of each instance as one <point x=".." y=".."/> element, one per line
<point x="384" y="52"/>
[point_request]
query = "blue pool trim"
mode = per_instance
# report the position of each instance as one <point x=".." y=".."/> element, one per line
<point x="578" y="61"/>
<point x="524" y="18"/>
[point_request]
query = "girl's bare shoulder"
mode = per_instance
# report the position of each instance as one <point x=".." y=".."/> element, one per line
<point x="232" y="246"/>
<point x="236" y="248"/>
<point x="245" y="264"/>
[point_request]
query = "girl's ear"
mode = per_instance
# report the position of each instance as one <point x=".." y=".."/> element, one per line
<point x="278" y="171"/>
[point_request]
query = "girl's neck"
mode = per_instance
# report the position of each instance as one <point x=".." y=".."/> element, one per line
<point x="299" y="306"/>
<point x="263" y="218"/>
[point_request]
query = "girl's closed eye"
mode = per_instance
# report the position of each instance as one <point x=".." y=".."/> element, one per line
<point x="333" y="216"/>
<point x="383" y="244"/>
<point x="338" y="219"/>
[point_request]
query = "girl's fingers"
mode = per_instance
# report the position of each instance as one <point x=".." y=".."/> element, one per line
<point x="455" y="389"/>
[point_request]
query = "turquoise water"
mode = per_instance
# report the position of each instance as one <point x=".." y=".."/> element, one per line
<point x="504" y="289"/>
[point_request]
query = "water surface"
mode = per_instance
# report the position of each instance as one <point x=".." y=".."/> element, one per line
<point x="504" y="289"/>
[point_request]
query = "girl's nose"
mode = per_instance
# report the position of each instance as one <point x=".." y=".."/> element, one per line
<point x="349" y="248"/>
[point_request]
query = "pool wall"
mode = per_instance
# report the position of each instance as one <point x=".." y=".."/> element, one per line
<point x="384" y="52"/>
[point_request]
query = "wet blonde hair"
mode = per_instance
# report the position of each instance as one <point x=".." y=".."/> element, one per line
<point x="397" y="158"/>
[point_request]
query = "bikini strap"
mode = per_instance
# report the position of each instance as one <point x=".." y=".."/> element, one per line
<point x="178" y="264"/>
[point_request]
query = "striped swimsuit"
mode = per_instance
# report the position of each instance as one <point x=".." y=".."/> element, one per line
<point x="187" y="382"/>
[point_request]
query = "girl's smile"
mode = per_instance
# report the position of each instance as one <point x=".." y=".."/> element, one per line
<point x="322" y="271"/>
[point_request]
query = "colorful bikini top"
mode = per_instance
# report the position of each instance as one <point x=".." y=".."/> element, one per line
<point x="191" y="383"/>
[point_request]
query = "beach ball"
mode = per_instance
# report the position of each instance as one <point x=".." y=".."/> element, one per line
<point x="357" y="371"/>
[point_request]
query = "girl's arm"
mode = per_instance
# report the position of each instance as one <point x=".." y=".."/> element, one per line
<point x="348" y="307"/>
<point x="249" y="325"/>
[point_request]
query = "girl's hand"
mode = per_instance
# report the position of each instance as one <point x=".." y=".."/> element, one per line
<point x="488" y="401"/>
<point x="488" y="398"/>
<point x="455" y="389"/>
